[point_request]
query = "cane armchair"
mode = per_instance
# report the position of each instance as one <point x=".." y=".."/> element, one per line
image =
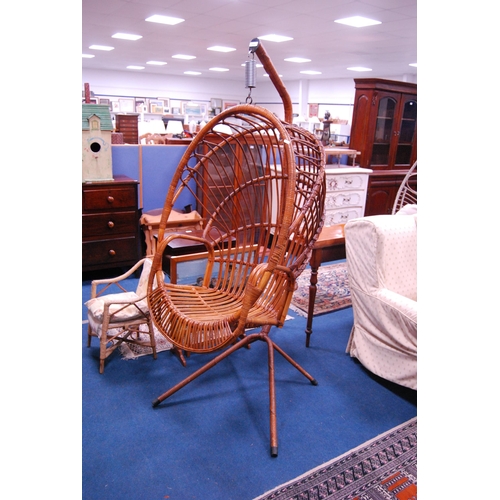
<point x="120" y="317"/>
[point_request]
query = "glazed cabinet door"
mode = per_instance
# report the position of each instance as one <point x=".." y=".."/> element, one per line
<point x="385" y="130"/>
<point x="394" y="134"/>
<point x="405" y="149"/>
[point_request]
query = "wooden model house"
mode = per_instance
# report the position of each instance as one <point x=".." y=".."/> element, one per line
<point x="96" y="143"/>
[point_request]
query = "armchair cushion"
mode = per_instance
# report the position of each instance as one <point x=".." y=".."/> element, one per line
<point x="117" y="311"/>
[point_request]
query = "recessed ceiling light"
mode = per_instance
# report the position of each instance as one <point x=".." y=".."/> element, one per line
<point x="164" y="19"/>
<point x="257" y="65"/>
<point x="297" y="59"/>
<point x="359" y="68"/>
<point x="183" y="56"/>
<point x="192" y="72"/>
<point x="357" y="21"/>
<point x="126" y="36"/>
<point x="135" y="67"/>
<point x="220" y="48"/>
<point x="266" y="74"/>
<point x="156" y="63"/>
<point x="218" y="69"/>
<point x="413" y="64"/>
<point x="88" y="56"/>
<point x="101" y="47"/>
<point x="311" y="72"/>
<point x="275" y="38"/>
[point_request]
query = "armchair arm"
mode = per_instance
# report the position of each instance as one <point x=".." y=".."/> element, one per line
<point x="186" y="236"/>
<point x="113" y="281"/>
<point x="405" y="306"/>
<point x="385" y="317"/>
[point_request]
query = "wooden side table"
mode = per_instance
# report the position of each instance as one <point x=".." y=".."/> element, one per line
<point x="338" y="152"/>
<point x="150" y="224"/>
<point x="330" y="245"/>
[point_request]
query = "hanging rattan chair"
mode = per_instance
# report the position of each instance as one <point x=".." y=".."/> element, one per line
<point x="259" y="184"/>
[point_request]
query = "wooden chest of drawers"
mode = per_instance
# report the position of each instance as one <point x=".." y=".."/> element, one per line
<point x="129" y="127"/>
<point x="345" y="194"/>
<point x="110" y="224"/>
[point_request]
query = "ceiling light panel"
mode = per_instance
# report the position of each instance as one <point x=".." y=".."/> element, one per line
<point x="297" y="59"/>
<point x="101" y="47"/>
<point x="359" y="68"/>
<point x="126" y="36"/>
<point x="164" y="19"/>
<point x="220" y="48"/>
<point x="192" y="72"/>
<point x="357" y="21"/>
<point x="156" y="63"/>
<point x="219" y="69"/>
<point x="311" y="72"/>
<point x="275" y="38"/>
<point x="135" y="67"/>
<point x="88" y="56"/>
<point x="183" y="56"/>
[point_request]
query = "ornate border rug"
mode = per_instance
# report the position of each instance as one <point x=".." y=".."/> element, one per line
<point x="383" y="468"/>
<point x="133" y="351"/>
<point x="332" y="290"/>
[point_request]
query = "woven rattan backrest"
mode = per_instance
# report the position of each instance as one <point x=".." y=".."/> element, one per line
<point x="259" y="185"/>
<point x="239" y="169"/>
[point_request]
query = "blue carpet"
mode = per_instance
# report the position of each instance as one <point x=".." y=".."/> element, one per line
<point x="211" y="439"/>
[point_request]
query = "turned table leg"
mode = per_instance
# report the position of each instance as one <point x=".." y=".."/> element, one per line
<point x="315" y="262"/>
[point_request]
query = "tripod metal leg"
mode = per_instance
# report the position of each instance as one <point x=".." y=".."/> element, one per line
<point x="204" y="369"/>
<point x="296" y="365"/>
<point x="273" y="428"/>
<point x="246" y="341"/>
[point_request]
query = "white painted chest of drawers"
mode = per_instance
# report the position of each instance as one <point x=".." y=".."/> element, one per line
<point x="345" y="194"/>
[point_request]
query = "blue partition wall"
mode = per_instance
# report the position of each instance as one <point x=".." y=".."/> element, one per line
<point x="153" y="166"/>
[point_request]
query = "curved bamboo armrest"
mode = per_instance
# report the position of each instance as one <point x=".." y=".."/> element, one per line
<point x="114" y="281"/>
<point x="160" y="248"/>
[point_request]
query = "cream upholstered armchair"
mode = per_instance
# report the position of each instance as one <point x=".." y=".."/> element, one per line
<point x="381" y="252"/>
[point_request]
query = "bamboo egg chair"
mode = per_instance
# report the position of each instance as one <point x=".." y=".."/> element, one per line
<point x="259" y="183"/>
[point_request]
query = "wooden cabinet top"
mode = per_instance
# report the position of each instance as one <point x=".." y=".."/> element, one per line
<point x="117" y="179"/>
<point x="382" y="84"/>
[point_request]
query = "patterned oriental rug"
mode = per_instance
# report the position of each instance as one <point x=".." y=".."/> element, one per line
<point x="384" y="468"/>
<point x="332" y="290"/>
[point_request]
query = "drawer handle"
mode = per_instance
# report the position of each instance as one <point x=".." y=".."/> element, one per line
<point x="111" y="224"/>
<point x="112" y="253"/>
<point x="110" y="199"/>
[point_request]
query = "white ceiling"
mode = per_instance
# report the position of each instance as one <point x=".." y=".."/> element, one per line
<point x="387" y="48"/>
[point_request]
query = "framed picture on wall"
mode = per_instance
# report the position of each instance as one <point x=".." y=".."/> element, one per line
<point x="141" y="105"/>
<point x="215" y="103"/>
<point x="156" y="106"/>
<point x="313" y="110"/>
<point x="127" y="105"/>
<point x="229" y="104"/>
<point x="166" y="105"/>
<point x="194" y="108"/>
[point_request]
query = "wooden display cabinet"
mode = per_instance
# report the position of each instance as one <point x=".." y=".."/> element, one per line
<point x="384" y="130"/>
